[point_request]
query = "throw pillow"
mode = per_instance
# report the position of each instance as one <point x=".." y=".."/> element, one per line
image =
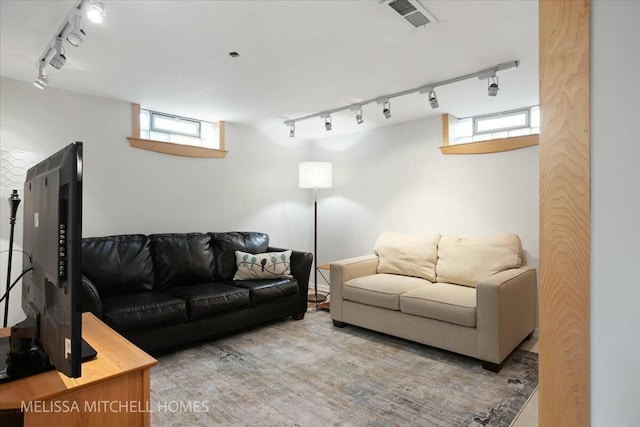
<point x="269" y="265"/>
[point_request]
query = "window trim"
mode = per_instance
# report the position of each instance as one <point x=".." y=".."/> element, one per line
<point x="449" y="121"/>
<point x="171" y="148"/>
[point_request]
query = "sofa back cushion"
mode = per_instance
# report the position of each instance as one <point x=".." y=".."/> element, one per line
<point x="118" y="264"/>
<point x="225" y="245"/>
<point x="466" y="261"/>
<point x="408" y="255"/>
<point x="181" y="259"/>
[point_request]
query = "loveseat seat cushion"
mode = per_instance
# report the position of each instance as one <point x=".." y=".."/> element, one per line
<point x="225" y="245"/>
<point x="181" y="259"/>
<point x="409" y="255"/>
<point x="466" y="261"/>
<point x="442" y="301"/>
<point x="118" y="265"/>
<point x="381" y="290"/>
<point x="143" y="310"/>
<point x="209" y="299"/>
<point x="269" y="289"/>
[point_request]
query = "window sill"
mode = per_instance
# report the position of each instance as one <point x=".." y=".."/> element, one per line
<point x="492" y="145"/>
<point x="176" y="149"/>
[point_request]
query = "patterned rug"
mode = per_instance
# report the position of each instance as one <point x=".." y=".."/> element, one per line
<point x="309" y="373"/>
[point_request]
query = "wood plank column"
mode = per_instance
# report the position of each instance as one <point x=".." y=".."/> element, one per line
<point x="564" y="213"/>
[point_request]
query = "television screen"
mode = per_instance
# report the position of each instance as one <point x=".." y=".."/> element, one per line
<point x="52" y="239"/>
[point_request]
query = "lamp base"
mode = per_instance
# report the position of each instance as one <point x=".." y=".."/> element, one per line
<point x="311" y="297"/>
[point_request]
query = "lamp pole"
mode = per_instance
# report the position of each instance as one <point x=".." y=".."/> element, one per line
<point x="14" y="201"/>
<point x="315" y="245"/>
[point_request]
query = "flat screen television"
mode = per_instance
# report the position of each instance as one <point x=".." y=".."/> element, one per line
<point x="51" y="335"/>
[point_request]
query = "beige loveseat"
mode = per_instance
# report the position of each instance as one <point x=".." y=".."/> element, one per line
<point x="473" y="296"/>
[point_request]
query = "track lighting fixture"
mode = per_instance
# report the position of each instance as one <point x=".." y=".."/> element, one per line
<point x="327" y="122"/>
<point x="71" y="30"/>
<point x="493" y="85"/>
<point x="358" y="111"/>
<point x="292" y="130"/>
<point x="433" y="99"/>
<point x="42" y="80"/>
<point x="76" y="34"/>
<point x="95" y="11"/>
<point x="386" y="109"/>
<point x="488" y="73"/>
<point x="58" y="60"/>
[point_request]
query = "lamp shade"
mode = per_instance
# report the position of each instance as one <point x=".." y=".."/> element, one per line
<point x="315" y="175"/>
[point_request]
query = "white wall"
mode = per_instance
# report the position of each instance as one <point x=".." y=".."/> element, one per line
<point x="396" y="178"/>
<point x="615" y="213"/>
<point x="128" y="190"/>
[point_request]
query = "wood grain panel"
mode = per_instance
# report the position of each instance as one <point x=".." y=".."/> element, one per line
<point x="564" y="214"/>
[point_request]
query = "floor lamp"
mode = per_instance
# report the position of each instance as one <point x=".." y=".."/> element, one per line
<point x="315" y="175"/>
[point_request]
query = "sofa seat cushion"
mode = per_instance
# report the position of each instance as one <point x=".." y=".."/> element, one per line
<point x="442" y="301"/>
<point x="209" y="299"/>
<point x="143" y="310"/>
<point x="381" y="290"/>
<point x="266" y="290"/>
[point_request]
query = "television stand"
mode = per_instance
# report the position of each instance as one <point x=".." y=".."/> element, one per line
<point x="30" y="362"/>
<point x="120" y="375"/>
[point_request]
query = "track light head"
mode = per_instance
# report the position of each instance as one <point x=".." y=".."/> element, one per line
<point x="358" y="112"/>
<point x="58" y="60"/>
<point x="43" y="79"/>
<point x="493" y="85"/>
<point x="327" y="123"/>
<point x="95" y="11"/>
<point x="292" y="130"/>
<point x="76" y="35"/>
<point x="433" y="99"/>
<point x="386" y="109"/>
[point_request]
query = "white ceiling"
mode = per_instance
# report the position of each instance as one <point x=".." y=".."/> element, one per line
<point x="296" y="57"/>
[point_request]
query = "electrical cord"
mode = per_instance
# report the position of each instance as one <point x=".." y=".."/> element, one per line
<point x="15" y="282"/>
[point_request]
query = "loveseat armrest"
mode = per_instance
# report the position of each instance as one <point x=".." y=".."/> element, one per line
<point x="345" y="270"/>
<point x="90" y="298"/>
<point x="300" y="270"/>
<point x="506" y="312"/>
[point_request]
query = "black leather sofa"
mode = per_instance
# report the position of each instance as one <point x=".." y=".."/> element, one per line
<point x="163" y="291"/>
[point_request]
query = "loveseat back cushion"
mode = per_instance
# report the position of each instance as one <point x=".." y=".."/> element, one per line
<point x="181" y="259"/>
<point x="225" y="245"/>
<point x="466" y="261"/>
<point x="408" y="255"/>
<point x="118" y="264"/>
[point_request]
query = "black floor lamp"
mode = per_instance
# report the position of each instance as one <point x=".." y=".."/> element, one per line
<point x="315" y="175"/>
<point x="14" y="201"/>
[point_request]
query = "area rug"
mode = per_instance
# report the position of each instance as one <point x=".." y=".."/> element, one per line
<point x="309" y="373"/>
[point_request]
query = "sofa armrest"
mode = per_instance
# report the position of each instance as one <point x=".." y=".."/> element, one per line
<point x="90" y="298"/>
<point x="300" y="270"/>
<point x="506" y="312"/>
<point x="342" y="271"/>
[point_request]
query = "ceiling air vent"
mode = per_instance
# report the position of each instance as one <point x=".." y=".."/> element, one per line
<point x="413" y="11"/>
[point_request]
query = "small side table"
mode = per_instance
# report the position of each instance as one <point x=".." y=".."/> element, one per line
<point x="326" y="304"/>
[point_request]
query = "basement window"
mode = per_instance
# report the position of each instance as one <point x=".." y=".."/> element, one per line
<point x="180" y="136"/>
<point x="490" y="133"/>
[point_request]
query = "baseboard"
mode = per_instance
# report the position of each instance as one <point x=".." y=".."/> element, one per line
<point x="321" y="287"/>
